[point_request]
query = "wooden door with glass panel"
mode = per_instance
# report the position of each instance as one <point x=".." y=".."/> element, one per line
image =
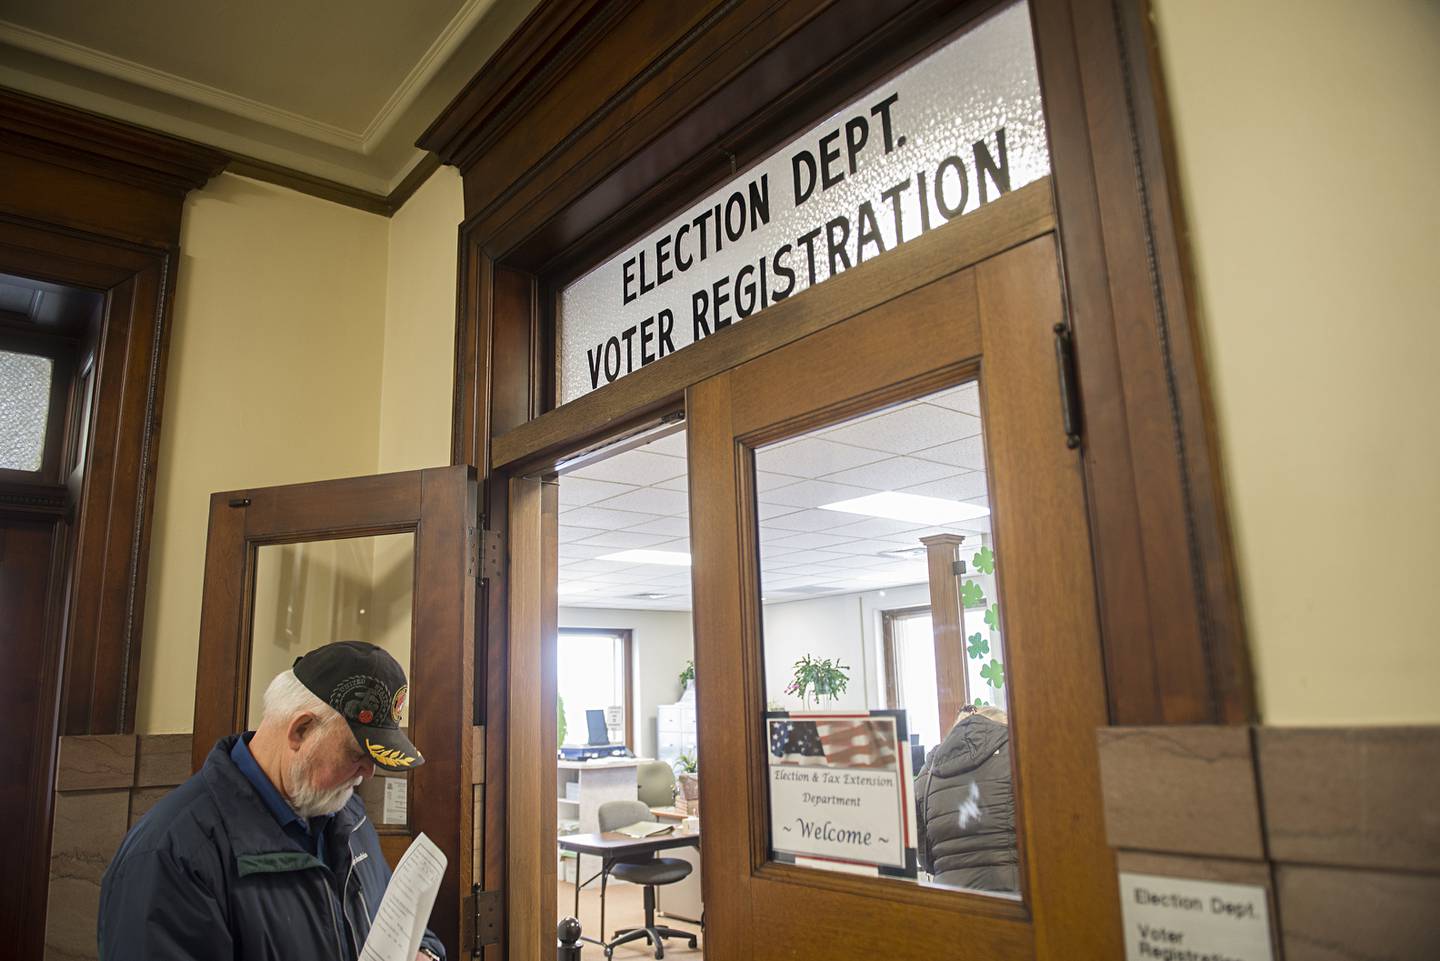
<point x="386" y="559"/>
<point x="833" y="468"/>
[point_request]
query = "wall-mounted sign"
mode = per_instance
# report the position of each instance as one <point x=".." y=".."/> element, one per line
<point x="1179" y="919"/>
<point x="840" y="790"/>
<point x="952" y="132"/>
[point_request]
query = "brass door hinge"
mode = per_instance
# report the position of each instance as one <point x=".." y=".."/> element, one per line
<point x="488" y="909"/>
<point x="486" y="554"/>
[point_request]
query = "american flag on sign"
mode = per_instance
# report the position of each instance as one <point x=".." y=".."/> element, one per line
<point x="858" y="742"/>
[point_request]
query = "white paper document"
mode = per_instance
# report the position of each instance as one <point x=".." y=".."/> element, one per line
<point x="400" y="923"/>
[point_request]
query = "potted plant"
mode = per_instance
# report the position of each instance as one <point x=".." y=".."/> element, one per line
<point x="687" y="677"/>
<point x="818" y="678"/>
<point x="687" y="786"/>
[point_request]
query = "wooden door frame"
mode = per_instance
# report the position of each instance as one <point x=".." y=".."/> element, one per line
<point x="596" y="120"/>
<point x="92" y="203"/>
<point x="439" y="506"/>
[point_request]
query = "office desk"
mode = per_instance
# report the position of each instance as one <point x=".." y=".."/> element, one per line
<point x="611" y="846"/>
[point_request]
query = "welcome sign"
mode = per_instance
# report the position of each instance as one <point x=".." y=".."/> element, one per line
<point x="840" y="789"/>
<point x="955" y="131"/>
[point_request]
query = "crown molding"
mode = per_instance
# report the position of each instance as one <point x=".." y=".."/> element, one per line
<point x="425" y="69"/>
<point x="119" y="68"/>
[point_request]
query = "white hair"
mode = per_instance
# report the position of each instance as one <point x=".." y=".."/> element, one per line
<point x="287" y="696"/>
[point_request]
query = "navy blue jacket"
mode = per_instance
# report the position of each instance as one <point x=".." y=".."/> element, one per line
<point x="209" y="873"/>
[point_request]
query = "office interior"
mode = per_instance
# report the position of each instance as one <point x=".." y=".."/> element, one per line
<point x="844" y="576"/>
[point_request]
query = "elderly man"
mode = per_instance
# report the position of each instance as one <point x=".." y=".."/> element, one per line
<point x="266" y="853"/>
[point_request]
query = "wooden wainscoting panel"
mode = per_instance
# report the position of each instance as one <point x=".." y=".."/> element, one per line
<point x="90" y="762"/>
<point x="1348" y="914"/>
<point x="1359" y="797"/>
<point x="1188" y="790"/>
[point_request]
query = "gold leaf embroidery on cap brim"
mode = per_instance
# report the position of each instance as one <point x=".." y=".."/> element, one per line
<point x="390" y="756"/>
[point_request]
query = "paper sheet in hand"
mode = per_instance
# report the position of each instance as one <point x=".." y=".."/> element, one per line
<point x="400" y="923"/>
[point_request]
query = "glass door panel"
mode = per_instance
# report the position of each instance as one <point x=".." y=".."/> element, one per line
<point x="310" y="593"/>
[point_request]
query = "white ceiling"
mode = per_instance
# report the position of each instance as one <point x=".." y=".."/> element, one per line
<point x="336" y="89"/>
<point x="637" y="499"/>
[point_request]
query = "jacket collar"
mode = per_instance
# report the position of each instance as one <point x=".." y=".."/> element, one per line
<point x="251" y="828"/>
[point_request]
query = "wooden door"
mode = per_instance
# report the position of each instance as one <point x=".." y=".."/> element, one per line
<point x="992" y="324"/>
<point x="368" y="558"/>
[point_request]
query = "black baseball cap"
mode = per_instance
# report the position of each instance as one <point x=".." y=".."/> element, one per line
<point x="367" y="686"/>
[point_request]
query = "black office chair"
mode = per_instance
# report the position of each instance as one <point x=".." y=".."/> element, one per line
<point x="647" y="870"/>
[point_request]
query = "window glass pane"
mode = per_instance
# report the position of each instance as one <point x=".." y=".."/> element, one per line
<point x="24" y="409"/>
<point x="879" y="761"/>
<point x="352" y="589"/>
<point x="956" y="130"/>
<point x="591" y="677"/>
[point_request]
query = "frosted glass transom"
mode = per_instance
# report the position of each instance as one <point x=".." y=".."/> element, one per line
<point x="953" y="131"/>
<point x="24" y="409"/>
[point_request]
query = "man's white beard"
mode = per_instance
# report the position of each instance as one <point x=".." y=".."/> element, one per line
<point x="308" y="800"/>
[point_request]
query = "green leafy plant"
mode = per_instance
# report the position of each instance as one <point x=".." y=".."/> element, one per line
<point x="971" y="595"/>
<point x="685" y="764"/>
<point x="687" y="675"/>
<point x="559" y="720"/>
<point x="818" y="678"/>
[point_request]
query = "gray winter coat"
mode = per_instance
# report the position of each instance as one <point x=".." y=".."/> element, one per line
<point x="966" y="807"/>
<point x="209" y="873"/>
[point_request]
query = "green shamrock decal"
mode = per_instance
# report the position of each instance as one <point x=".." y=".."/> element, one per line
<point x="979" y="646"/>
<point x="971" y="595"/>
<point x="992" y="617"/>
<point x="981" y="702"/>
<point x="984" y="561"/>
<point x="994" y="673"/>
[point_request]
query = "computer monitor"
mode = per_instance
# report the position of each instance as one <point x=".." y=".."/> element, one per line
<point x="595" y="720"/>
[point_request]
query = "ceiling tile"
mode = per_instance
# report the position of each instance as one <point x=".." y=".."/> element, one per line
<point x="569" y="532"/>
<point x="681" y="483"/>
<point x="672" y="445"/>
<point x="967" y="452"/>
<point x="622" y="540"/>
<point x="802" y="556"/>
<point x="577" y="492"/>
<point x="767" y="511"/>
<point x="958" y="488"/>
<point x="965" y="398"/>
<point x="639" y="467"/>
<point x="873" y="547"/>
<point x="651" y="499"/>
<point x="809" y="520"/>
<point x="812" y="494"/>
<point x="907" y="429"/>
<point x="767" y="480"/>
<point x="582" y="552"/>
<point x="604" y="518"/>
<point x="892" y="473"/>
<point x="812" y="457"/>
<point x="881" y="527"/>
<point x="807" y="540"/>
<point x="674" y="526"/>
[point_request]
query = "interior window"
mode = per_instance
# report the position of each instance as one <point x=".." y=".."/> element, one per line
<point x="24" y="409"/>
<point x="593" y="686"/>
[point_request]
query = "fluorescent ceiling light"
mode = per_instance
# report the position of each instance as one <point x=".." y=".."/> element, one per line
<point x="671" y="558"/>
<point x="898" y="506"/>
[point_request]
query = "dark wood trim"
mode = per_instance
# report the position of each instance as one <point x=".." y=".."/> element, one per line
<point x="60" y="351"/>
<point x="1169" y="596"/>
<point x="385" y="205"/>
<point x="440" y="507"/>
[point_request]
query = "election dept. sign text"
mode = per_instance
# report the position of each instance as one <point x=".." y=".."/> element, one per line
<point x="957" y="130"/>
<point x="840" y="790"/>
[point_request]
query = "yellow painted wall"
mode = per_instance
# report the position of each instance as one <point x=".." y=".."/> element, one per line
<point x="274" y="356"/>
<point x="416" y="394"/>
<point x="1307" y="135"/>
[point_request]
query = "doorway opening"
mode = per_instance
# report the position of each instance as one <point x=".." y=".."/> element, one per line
<point x="627" y="818"/>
